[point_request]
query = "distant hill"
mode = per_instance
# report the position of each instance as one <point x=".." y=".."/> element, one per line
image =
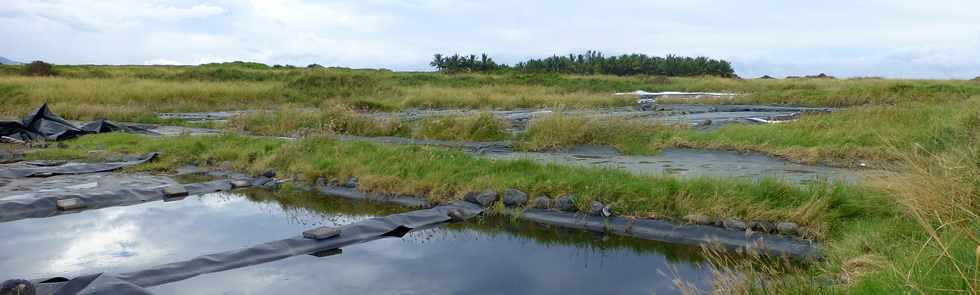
<point x="5" y="61"/>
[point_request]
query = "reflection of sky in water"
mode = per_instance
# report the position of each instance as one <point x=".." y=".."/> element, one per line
<point x="434" y="261"/>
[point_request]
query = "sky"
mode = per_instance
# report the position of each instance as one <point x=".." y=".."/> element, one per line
<point x="937" y="39"/>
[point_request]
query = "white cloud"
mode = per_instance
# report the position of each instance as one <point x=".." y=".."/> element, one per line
<point x="885" y="38"/>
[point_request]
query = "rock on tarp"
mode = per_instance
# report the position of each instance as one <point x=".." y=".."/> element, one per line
<point x="42" y="124"/>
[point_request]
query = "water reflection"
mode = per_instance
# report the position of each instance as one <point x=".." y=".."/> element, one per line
<point x="492" y="255"/>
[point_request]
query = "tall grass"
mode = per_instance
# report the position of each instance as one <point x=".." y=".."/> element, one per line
<point x="558" y="131"/>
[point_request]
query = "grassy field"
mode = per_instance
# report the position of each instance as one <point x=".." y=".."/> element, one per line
<point x="315" y="101"/>
<point x="914" y="231"/>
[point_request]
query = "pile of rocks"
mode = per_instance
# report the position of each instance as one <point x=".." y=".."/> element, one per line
<point x="763" y="226"/>
<point x="516" y="198"/>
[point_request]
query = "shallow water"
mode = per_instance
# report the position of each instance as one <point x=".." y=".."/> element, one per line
<point x="691" y="163"/>
<point x="490" y="255"/>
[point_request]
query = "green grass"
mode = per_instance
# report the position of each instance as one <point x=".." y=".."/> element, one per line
<point x="870" y="244"/>
<point x="443" y="175"/>
<point x="131" y="92"/>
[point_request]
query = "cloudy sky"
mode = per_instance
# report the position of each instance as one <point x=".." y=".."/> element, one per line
<point x="892" y="38"/>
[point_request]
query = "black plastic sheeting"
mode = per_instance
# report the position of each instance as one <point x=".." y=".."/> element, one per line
<point x="694" y="235"/>
<point x="42" y="205"/>
<point x="42" y="124"/>
<point x="647" y="229"/>
<point x="359" y="232"/>
<point x="73" y="168"/>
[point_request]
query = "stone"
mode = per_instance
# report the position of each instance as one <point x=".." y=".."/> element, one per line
<point x="565" y="204"/>
<point x="351" y="182"/>
<point x="762" y="226"/>
<point x="321" y="182"/>
<point x="240" y="183"/>
<point x="698" y="219"/>
<point x="607" y="211"/>
<point x="514" y="198"/>
<point x="456" y="215"/>
<point x="595" y="208"/>
<point x="733" y="224"/>
<point x="542" y="202"/>
<point x="69" y="204"/>
<point x="320" y="233"/>
<point x="175" y="191"/>
<point x="485" y="198"/>
<point x="788" y="228"/>
<point x="268" y="173"/>
<point x="62" y="145"/>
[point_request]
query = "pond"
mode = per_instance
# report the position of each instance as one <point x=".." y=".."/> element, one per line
<point x="488" y="255"/>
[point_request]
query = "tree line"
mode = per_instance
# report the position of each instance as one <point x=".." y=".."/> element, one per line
<point x="591" y="62"/>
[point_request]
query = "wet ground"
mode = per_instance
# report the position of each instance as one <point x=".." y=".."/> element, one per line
<point x="685" y="114"/>
<point x="690" y="163"/>
<point x="484" y="256"/>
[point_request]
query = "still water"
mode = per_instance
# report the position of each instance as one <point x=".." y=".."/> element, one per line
<point x="488" y="255"/>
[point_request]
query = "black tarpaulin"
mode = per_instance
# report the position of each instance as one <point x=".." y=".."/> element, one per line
<point x="685" y="234"/>
<point x="355" y="233"/>
<point x="103" y="126"/>
<point x="42" y="124"/>
<point x="73" y="168"/>
<point x="40" y="205"/>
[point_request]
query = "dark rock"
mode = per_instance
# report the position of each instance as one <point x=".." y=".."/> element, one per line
<point x="351" y="182"/>
<point x="542" y="202"/>
<point x="269" y="173"/>
<point x="763" y="226"/>
<point x="788" y="228"/>
<point x="320" y="233"/>
<point x="734" y="224"/>
<point x="62" y="145"/>
<point x="565" y="204"/>
<point x="596" y="208"/>
<point x="513" y="197"/>
<point x="698" y="219"/>
<point x="485" y="198"/>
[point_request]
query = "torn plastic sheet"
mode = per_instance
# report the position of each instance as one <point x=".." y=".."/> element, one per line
<point x="73" y="168"/>
<point x="103" y="126"/>
<point x="359" y="232"/>
<point x="46" y="204"/>
<point x="42" y="124"/>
